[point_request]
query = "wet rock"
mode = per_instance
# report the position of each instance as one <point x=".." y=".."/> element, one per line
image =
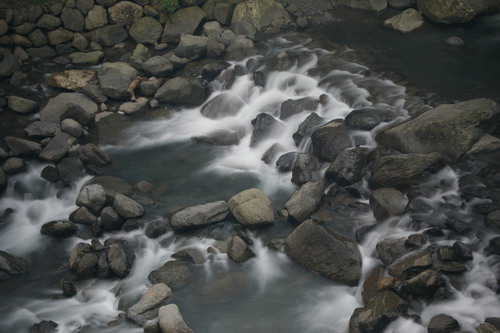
<point x="158" y="66"/>
<point x="192" y="255"/>
<point x="58" y="147"/>
<point x="367" y="118"/>
<point x="305" y="201"/>
<point x="68" y="288"/>
<point x="387" y="202"/>
<point x="50" y="174"/>
<point x="121" y="257"/>
<point x="56" y="107"/>
<point x="21" y="105"/>
<point x="449" y="129"/>
<point x="238" y="250"/>
<point x="149" y="87"/>
<point x="455" y="41"/>
<point x="307" y="127"/>
<point x="463" y="251"/>
<point x="240" y="48"/>
<point x="135" y="107"/>
<point x="405" y="22"/>
<point x="45" y="326"/>
<point x="156" y="228"/>
<point x="213" y="69"/>
<point x="450" y="12"/>
<point x="22" y="146"/>
<point x="93" y="197"/>
<point x="325" y="252"/>
<point x="171" y="320"/>
<point x="146" y="30"/>
<point x="416" y="240"/>
<point x="83" y="216"/>
<point x="200" y="215"/>
<point x="493" y="246"/>
<point x="184" y="21"/>
<point x="347" y="168"/>
<point x="443" y="324"/>
<point x="182" y="91"/>
<point x="59" y="229"/>
<point x="264" y="125"/>
<point x="10" y="266"/>
<point x="86" y="58"/>
<point x="306" y="168"/>
<point x="267" y="16"/>
<point x="224" y="105"/>
<point x="173" y="274"/>
<point x="487" y="328"/>
<point x="219" y="138"/>
<point x="93" y="157"/>
<point x="426" y="283"/>
<point x="485" y="151"/>
<point x="291" y="107"/>
<point x="390" y="250"/>
<point x="152" y="327"/>
<point x="127" y="207"/>
<point x="83" y="261"/>
<point x="252" y="208"/>
<point x="286" y="161"/>
<point x="14" y="165"/>
<point x="110" y="220"/>
<point x="380" y="311"/>
<point x="329" y="140"/>
<point x="402" y="171"/>
<point x="411" y="264"/>
<point x="112" y="185"/>
<point x="154" y="297"/>
<point x="115" y="78"/>
<point x="109" y="35"/>
<point x="72" y="19"/>
<point x="370" y="286"/>
<point x="192" y="47"/>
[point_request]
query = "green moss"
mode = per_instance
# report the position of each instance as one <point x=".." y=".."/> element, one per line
<point x="170" y="6"/>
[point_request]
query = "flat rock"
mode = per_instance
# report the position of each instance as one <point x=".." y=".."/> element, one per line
<point x="21" y="105"/>
<point x="57" y="147"/>
<point x="200" y="215"/>
<point x="53" y="111"/>
<point x="73" y="79"/>
<point x="115" y="78"/>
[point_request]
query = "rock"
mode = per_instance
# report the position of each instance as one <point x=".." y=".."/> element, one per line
<point x="115" y="78"/>
<point x="400" y="4"/>
<point x="240" y="48"/>
<point x="10" y="266"/>
<point x="238" y="251"/>
<point x="57" y="147"/>
<point x="325" y="252"/>
<point x="48" y="22"/>
<point x="171" y="320"/>
<point x="154" y="297"/>
<point x="72" y="127"/>
<point x="219" y="138"/>
<point x="83" y="261"/>
<point x="72" y="19"/>
<point x="267" y="16"/>
<point x="426" y="283"/>
<point x="84" y="6"/>
<point x="4" y="27"/>
<point x="22" y="105"/>
<point x="22" y="146"/>
<point x="92" y="157"/>
<point x="96" y="18"/>
<point x="182" y="91"/>
<point x="50" y="173"/>
<point x="264" y="125"/>
<point x="306" y="168"/>
<point x="59" y="229"/>
<point x="455" y="11"/>
<point x="3" y="180"/>
<point x="109" y="35"/>
<point x="126" y="207"/>
<point x="86" y="58"/>
<point x="390" y="250"/>
<point x="106" y="3"/>
<point x="135" y="107"/>
<point x="367" y="118"/>
<point x="8" y="64"/>
<point x="193" y="255"/>
<point x="68" y="288"/>
<point x="291" y="107"/>
<point x="493" y="245"/>
<point x="387" y="202"/>
<point x="224" y="105"/>
<point x="252" y="208"/>
<point x="405" y="22"/>
<point x="329" y="140"/>
<point x="272" y="152"/>
<point x="200" y="215"/>
<point x="192" y="47"/>
<point x="411" y="265"/>
<point x="158" y="66"/>
<point x="146" y="30"/>
<point x="38" y="38"/>
<point x="305" y="201"/>
<point x="21" y="40"/>
<point x="485" y="150"/>
<point x="173" y="274"/>
<point x="184" y="21"/>
<point x="212" y="28"/>
<point x="73" y="79"/>
<point x="348" y="166"/>
<point x="374" y="5"/>
<point x="455" y="41"/>
<point x="493" y="220"/>
<point x="402" y="171"/>
<point x="462" y="250"/>
<point x="286" y="161"/>
<point x="156" y="228"/>
<point x="121" y="258"/>
<point x="59" y="36"/>
<point x="24" y="28"/>
<point x="45" y="326"/>
<point x="487" y="328"/>
<point x="83" y="216"/>
<point x="93" y="197"/>
<point x="56" y="107"/>
<point x="110" y="220"/>
<point x="14" y="165"/>
<point x="370" y="285"/>
<point x="149" y="87"/>
<point x="385" y="307"/>
<point x="152" y="327"/>
<point x="449" y="129"/>
<point x="125" y="13"/>
<point x="307" y="127"/>
<point x="443" y="324"/>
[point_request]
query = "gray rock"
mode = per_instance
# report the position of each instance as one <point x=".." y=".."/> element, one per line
<point x="4" y="27"/>
<point x="84" y="6"/>
<point x="286" y="161"/>
<point x="72" y="19"/>
<point x="59" y="229"/>
<point x="305" y="201"/>
<point x="146" y="30"/>
<point x="224" y="105"/>
<point x="385" y="307"/>
<point x="45" y="326"/>
<point x="325" y="252"/>
<point x="192" y="47"/>
<point x="400" y="4"/>
<point x="219" y="138"/>
<point x="110" y="220"/>
<point x="405" y="22"/>
<point x="272" y="152"/>
<point x="240" y="48"/>
<point x="135" y="107"/>
<point x="59" y="36"/>
<point x="455" y="41"/>
<point x="83" y="260"/>
<point x="329" y="140"/>
<point x="295" y="106"/>
<point x="93" y="197"/>
<point x="96" y="18"/>
<point x="149" y="87"/>
<point x="252" y="208"/>
<point x="348" y="166"/>
<point x="457" y="11"/>
<point x="443" y="324"/>
<point x="173" y="274"/>
<point x="24" y="28"/>
<point x="411" y="264"/>
<point x="154" y="297"/>
<point x="72" y="127"/>
<point x="22" y="146"/>
<point x="182" y="91"/>
<point x="171" y="320"/>
<point x="156" y="228"/>
<point x="14" y="165"/>
<point x="107" y="3"/>
<point x="306" y="168"/>
<point x="48" y="22"/>
<point x="86" y="58"/>
<point x="79" y="42"/>
<point x="21" y="105"/>
<point x="57" y="147"/>
<point x="264" y="126"/>
<point x="9" y="64"/>
<point x="125" y="13"/>
<point x="200" y="215"/>
<point x="121" y="258"/>
<point x="184" y="21"/>
<point x="193" y="255"/>
<point x="115" y="78"/>
<point x="215" y="49"/>
<point x="390" y="250"/>
<point x="56" y="107"/>
<point x="158" y="66"/>
<point x="93" y="92"/>
<point x="387" y="202"/>
<point x="267" y="16"/>
<point x="38" y="38"/>
<point x="307" y="127"/>
<point x="212" y="28"/>
<point x="109" y="35"/>
<point x="83" y="216"/>
<point x="10" y="266"/>
<point x="3" y="180"/>
<point x="493" y="220"/>
<point x="367" y="118"/>
<point x="238" y="250"/>
<point x="127" y="207"/>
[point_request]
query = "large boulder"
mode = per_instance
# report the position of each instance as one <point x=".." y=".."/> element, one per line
<point x="115" y="78"/>
<point x="267" y="16"/>
<point x="200" y="215"/>
<point x="402" y="171"/>
<point x="455" y="11"/>
<point x="57" y="147"/>
<point x="387" y="202"/>
<point x="146" y="30"/>
<point x="125" y="13"/>
<point x="184" y="21"/>
<point x="171" y="320"/>
<point x="367" y="118"/>
<point x="329" y="140"/>
<point x="252" y="208"/>
<point x="376" y="5"/>
<point x="93" y="197"/>
<point x="305" y="201"/>
<point x="323" y="251"/>
<point x="55" y="108"/>
<point x="449" y="129"/>
<point x="182" y="91"/>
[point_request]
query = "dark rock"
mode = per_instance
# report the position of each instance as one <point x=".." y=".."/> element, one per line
<point x="156" y="228"/>
<point x="21" y="105"/>
<point x="184" y="21"/>
<point x="348" y="166"/>
<point x="68" y="288"/>
<point x="446" y="12"/>
<point x="370" y="286"/>
<point x="115" y="78"/>
<point x="121" y="258"/>
<point x="93" y="157"/>
<point x="219" y="138"/>
<point x="14" y="165"/>
<point x="240" y="48"/>
<point x="110" y="220"/>
<point x="385" y="307"/>
<point x="109" y="35"/>
<point x="443" y="324"/>
<point x="264" y="125"/>
<point x="272" y="152"/>
<point x="462" y="250"/>
<point x="224" y="105"/>
<point x="70" y="170"/>
<point x="50" y="173"/>
<point x="125" y="13"/>
<point x="173" y="274"/>
<point x="366" y="119"/>
<point x="329" y="140"/>
<point x="306" y="168"/>
<point x="307" y="127"/>
<point x="192" y="47"/>
<point x="426" y="283"/>
<point x="291" y="107"/>
<point x="494" y="246"/>
<point x="45" y="326"/>
<point x="63" y="106"/>
<point x="305" y="201"/>
<point x="411" y="265"/>
<point x="93" y="197"/>
<point x="211" y="70"/>
<point x="22" y="146"/>
<point x="158" y="66"/>
<point x="146" y="30"/>
<point x="83" y="216"/>
<point x="77" y="113"/>
<point x="42" y="129"/>
<point x="10" y="266"/>
<point x="72" y="19"/>
<point x="57" y="147"/>
<point x="387" y="202"/>
<point x="182" y="91"/>
<point x="238" y="250"/>
<point x="200" y="215"/>
<point x="48" y="22"/>
<point x="286" y="161"/>
<point x="276" y="244"/>
<point x="390" y="250"/>
<point x="59" y="229"/>
<point x="193" y="255"/>
<point x="83" y="261"/>
<point x="363" y="231"/>
<point x="127" y="207"/>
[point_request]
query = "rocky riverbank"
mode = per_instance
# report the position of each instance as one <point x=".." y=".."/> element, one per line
<point x="113" y="64"/>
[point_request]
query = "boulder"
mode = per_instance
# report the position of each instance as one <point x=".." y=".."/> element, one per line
<point x="125" y="13"/>
<point x="184" y="21"/>
<point x="73" y="79"/>
<point x="173" y="274"/>
<point x="86" y="58"/>
<point x="152" y="299"/>
<point x="367" y="118"/>
<point x="411" y="264"/>
<point x="92" y="157"/>
<point x="455" y="11"/>
<point x="305" y="201"/>
<point x="402" y="171"/>
<point x="240" y="48"/>
<point x="442" y="323"/>
<point x="146" y="30"/>
<point x="252" y="208"/>
<point x="83" y="260"/>
<point x="72" y="127"/>
<point x="96" y="18"/>
<point x="38" y="38"/>
<point x="127" y="207"/>
<point x="21" y="105"/>
<point x="54" y="110"/>
<point x="121" y="258"/>
<point x="329" y="140"/>
<point x="72" y="19"/>
<point x="212" y="28"/>
<point x="272" y="152"/>
<point x="134" y="107"/>
<point x="182" y="91"/>
<point x="156" y="228"/>
<point x="22" y="146"/>
<point x="323" y="251"/>
<point x="264" y="126"/>
<point x="347" y="168"/>
<point x="449" y="129"/>
<point x="158" y="66"/>
<point x="83" y="216"/>
<point x="380" y="310"/>
<point x="150" y="87"/>
<point x="405" y="22"/>
<point x="200" y="215"/>
<point x="115" y="78"/>
<point x="389" y="250"/>
<point x="110" y="220"/>
<point x="307" y="127"/>
<point x="14" y="165"/>
<point x="295" y="106"/>
<point x="48" y="22"/>
<point x="10" y="266"/>
<point x="226" y="104"/>
<point x="109" y="35"/>
<point x="375" y="5"/>
<point x="57" y="147"/>
<point x="192" y="47"/>
<point x="267" y="16"/>
<point x="286" y="161"/>
<point x="219" y="138"/>
<point x="45" y="326"/>
<point x="59" y="36"/>
<point x="59" y="229"/>
<point x="93" y="197"/>
<point x="238" y="250"/>
<point x="306" y="168"/>
<point x="193" y="255"/>
<point x="387" y="202"/>
<point x="171" y="320"/>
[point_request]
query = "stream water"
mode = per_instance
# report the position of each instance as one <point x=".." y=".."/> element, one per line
<point x="269" y="293"/>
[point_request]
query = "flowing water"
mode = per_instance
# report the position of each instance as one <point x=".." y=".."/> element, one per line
<point x="269" y="293"/>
